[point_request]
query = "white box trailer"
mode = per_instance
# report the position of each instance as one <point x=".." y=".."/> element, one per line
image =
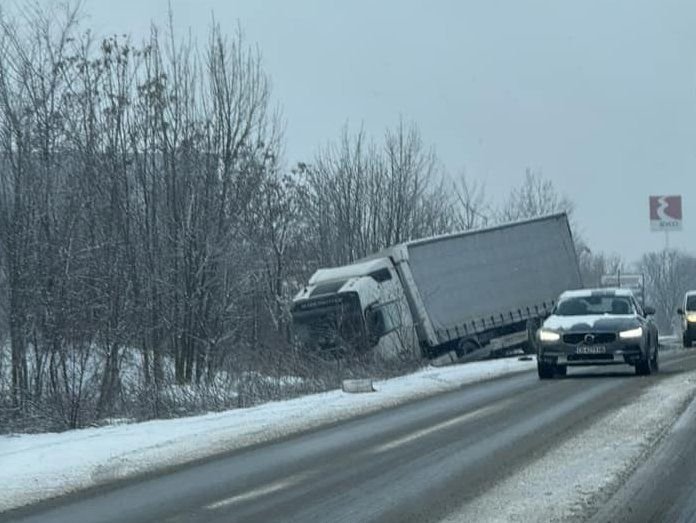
<point x="455" y="296"/>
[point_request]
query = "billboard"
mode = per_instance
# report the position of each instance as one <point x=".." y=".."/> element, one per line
<point x="665" y="213"/>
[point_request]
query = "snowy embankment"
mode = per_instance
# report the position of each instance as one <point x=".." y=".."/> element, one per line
<point x="39" y="466"/>
<point x="571" y="481"/>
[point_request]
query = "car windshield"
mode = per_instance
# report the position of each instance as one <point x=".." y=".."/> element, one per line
<point x="691" y="303"/>
<point x="591" y="305"/>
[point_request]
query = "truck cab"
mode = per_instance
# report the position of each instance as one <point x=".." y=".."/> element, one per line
<point x="688" y="315"/>
<point x="359" y="307"/>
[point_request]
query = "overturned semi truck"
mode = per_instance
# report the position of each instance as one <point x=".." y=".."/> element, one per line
<point x="452" y="297"/>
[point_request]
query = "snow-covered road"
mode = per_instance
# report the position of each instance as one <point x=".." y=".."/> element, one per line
<point x="39" y="466"/>
<point x="574" y="479"/>
<point x="509" y="449"/>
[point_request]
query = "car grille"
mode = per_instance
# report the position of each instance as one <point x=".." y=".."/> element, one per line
<point x="575" y="338"/>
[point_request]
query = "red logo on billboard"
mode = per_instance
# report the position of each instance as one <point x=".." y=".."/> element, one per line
<point x="665" y="212"/>
<point x="665" y="208"/>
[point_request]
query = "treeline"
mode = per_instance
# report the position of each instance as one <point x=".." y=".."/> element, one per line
<point x="147" y="220"/>
<point x="152" y="237"/>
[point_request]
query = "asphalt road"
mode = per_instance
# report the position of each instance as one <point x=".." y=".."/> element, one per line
<point x="663" y="488"/>
<point x="417" y="462"/>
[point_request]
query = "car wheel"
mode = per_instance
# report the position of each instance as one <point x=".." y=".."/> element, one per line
<point x="545" y="370"/>
<point x="530" y="346"/>
<point x="643" y="367"/>
<point x="655" y="360"/>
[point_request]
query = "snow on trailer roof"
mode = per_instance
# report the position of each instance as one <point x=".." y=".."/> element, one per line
<point x="691" y="293"/>
<point x="601" y="291"/>
<point x="397" y="248"/>
<point x="481" y="230"/>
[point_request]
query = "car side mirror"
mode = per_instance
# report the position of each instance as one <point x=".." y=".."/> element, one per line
<point x="680" y="311"/>
<point x="649" y="311"/>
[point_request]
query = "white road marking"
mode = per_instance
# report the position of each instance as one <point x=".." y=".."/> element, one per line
<point x="258" y="492"/>
<point x="440" y="426"/>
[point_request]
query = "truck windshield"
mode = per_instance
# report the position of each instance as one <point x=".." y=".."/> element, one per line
<point x="587" y="305"/>
<point x="329" y="323"/>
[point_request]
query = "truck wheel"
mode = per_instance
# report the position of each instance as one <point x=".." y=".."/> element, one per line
<point x="545" y="370"/>
<point x="686" y="339"/>
<point x="562" y="370"/>
<point x="466" y="347"/>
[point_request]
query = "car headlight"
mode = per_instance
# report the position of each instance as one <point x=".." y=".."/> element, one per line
<point x="631" y="333"/>
<point x="548" y="336"/>
<point x="691" y="317"/>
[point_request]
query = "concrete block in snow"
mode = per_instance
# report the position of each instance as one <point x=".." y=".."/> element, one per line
<point x="353" y="386"/>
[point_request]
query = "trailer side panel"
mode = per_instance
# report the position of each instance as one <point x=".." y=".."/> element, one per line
<point x="478" y="280"/>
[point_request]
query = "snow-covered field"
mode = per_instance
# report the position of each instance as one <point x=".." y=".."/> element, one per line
<point x="580" y="474"/>
<point x="39" y="466"/>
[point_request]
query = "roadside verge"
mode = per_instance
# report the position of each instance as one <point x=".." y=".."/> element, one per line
<point x="36" y="467"/>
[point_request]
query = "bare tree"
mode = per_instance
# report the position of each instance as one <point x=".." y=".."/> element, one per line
<point x="278" y="227"/>
<point x="363" y="198"/>
<point x="38" y="222"/>
<point x="668" y="275"/>
<point x="536" y="196"/>
<point x="474" y="208"/>
<point x="595" y="265"/>
<point x="129" y="173"/>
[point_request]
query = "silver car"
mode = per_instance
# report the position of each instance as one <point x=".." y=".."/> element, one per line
<point x="597" y="327"/>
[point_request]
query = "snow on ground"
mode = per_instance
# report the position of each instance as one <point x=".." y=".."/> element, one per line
<point x="579" y="475"/>
<point x="39" y="466"/>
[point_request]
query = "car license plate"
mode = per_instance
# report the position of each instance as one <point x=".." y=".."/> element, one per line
<point x="591" y="349"/>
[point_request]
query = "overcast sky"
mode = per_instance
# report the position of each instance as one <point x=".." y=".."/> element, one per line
<point x="600" y="96"/>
